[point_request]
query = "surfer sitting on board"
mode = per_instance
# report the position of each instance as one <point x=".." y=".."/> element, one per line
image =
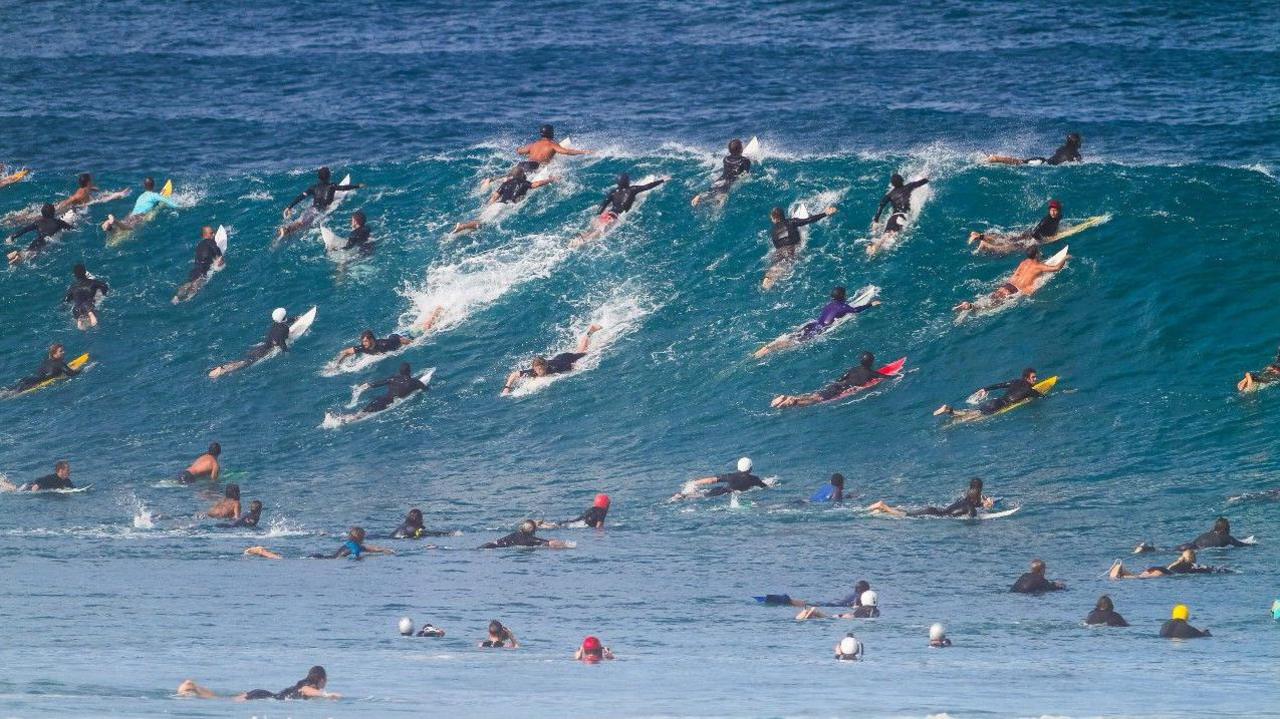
<point x="967" y="506"/>
<point x="561" y="363"/>
<point x="83" y="296"/>
<point x="372" y="345"/>
<point x="205" y="466"/>
<point x="834" y="310"/>
<point x="1015" y="390"/>
<point x="60" y="479"/>
<point x="739" y="481"/>
<point x="616" y="201"/>
<point x="54" y="365"/>
<point x="1034" y="581"/>
<point x="321" y="194"/>
<point x="359" y="237"/>
<point x="1264" y="376"/>
<point x="1042" y="234"/>
<point x="1069" y="152"/>
<point x="145" y="203"/>
<point x="1021" y="283"/>
<point x="399" y="386"/>
<point x="277" y="338"/>
<point x="900" y="197"/>
<point x="45" y="228"/>
<point x="855" y="377"/>
<point x="735" y="165"/>
<point x="511" y="191"/>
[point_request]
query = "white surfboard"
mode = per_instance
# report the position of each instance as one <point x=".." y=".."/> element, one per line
<point x="333" y="420"/>
<point x="984" y="306"/>
<point x="752" y="150"/>
<point x="332" y="242"/>
<point x="338" y="197"/>
<point x="302" y="324"/>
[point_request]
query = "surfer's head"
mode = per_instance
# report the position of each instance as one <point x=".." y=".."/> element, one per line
<point x="976" y="483"/>
<point x="46" y="211"/>
<point x="206" y="232"/>
<point x="1222" y="526"/>
<point x="1105" y="604"/>
<point x="735" y="147"/>
<point x="1055" y="208"/>
<point x="278" y="314"/>
<point x="255" y="507"/>
<point x="367" y="339"/>
<point x="1033" y="253"/>
<point x="414" y="518"/>
<point x="837" y="480"/>
<point x="897" y="180"/>
<point x="592" y="649"/>
<point x="1074" y="139"/>
<point x="358" y="218"/>
<point x="62" y="468"/>
<point x="1188" y="556"/>
<point x="624" y="180"/>
<point x="539" y="366"/>
<point x="776" y="214"/>
<point x="1029" y="374"/>
<point x="517" y="173"/>
<point x="233" y="492"/>
<point x="838" y="294"/>
<point x="323" y="174"/>
<point x="149" y="184"/>
<point x="937" y="632"/>
<point x="744" y="464"/>
<point x="405" y="369"/>
<point x="57" y="351"/>
<point x="850" y="649"/>
<point x="528" y="526"/>
<point x="1037" y="567"/>
<point x="547" y="132"/>
<point x="215" y="449"/>
<point x="80" y="272"/>
<point x="84" y="179"/>
<point x="356" y="534"/>
<point x="866" y="359"/>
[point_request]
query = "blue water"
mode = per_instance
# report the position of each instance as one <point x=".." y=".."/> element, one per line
<point x="112" y="597"/>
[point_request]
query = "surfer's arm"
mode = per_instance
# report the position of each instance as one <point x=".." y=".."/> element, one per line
<point x="23" y="231"/>
<point x="1001" y="385"/>
<point x="347" y="352"/>
<point x="561" y="149"/>
<point x="526" y="150"/>
<point x="375" y="385"/>
<point x="1236" y="542"/>
<point x="305" y="194"/>
<point x="1042" y="267"/>
<point x="348" y="188"/>
<point x="373" y="549"/>
<point x="637" y="189"/>
<point x="166" y="201"/>
<point x="797" y="222"/>
<point x="66" y="369"/>
<point x="539" y="183"/>
<point x="493" y="199"/>
<point x="918" y="183"/>
<point x="884" y="202"/>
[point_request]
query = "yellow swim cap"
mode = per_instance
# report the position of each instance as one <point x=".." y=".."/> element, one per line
<point x="1180" y="611"/>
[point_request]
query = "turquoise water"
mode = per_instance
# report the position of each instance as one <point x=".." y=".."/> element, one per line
<point x="114" y="596"/>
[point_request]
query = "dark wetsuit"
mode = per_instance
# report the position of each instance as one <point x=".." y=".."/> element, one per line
<point x="1213" y="540"/>
<point x="1034" y="584"/>
<point x="52" y="481"/>
<point x="249" y="520"/>
<point x="735" y="166"/>
<point x="593" y="517"/>
<point x="48" y="369"/>
<point x="380" y="346"/>
<point x="321" y="194"/>
<point x="620" y="199"/>
<point x="277" y="336"/>
<point x="786" y="234"/>
<point x="45" y="227"/>
<point x="856" y="377"/>
<point x="409" y="531"/>
<point x="293" y="692"/>
<point x="834" y="310"/>
<point x="207" y="252"/>
<point x="513" y="189"/>
<point x="1046" y="230"/>
<point x="398" y="387"/>
<point x="515" y="539"/>
<point x="1109" y="618"/>
<point x="900" y="198"/>
<point x="1015" y="391"/>
<point x="83" y="294"/>
<point x="865" y="612"/>
<point x="1179" y="629"/>
<point x="962" y="507"/>
<point x="1066" y="153"/>
<point x="559" y="364"/>
<point x="735" y="482"/>
<point x="359" y="240"/>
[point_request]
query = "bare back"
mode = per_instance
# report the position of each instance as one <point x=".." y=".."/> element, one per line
<point x="1025" y="276"/>
<point x="542" y="151"/>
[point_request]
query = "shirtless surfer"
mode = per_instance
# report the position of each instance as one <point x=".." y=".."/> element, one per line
<point x="1021" y="283"/>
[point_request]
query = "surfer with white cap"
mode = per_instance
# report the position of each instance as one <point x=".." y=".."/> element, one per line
<point x="849" y="649"/>
<point x="277" y="338"/>
<point x="739" y="481"/>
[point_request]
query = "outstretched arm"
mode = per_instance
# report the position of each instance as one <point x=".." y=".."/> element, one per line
<point x="539" y="183"/>
<point x="918" y="183"/>
<point x="795" y="222"/>
<point x="348" y="188"/>
<point x="305" y="194"/>
<point x="561" y="149"/>
<point x="585" y="342"/>
<point x="23" y="231"/>
<point x="647" y="186"/>
<point x="511" y="382"/>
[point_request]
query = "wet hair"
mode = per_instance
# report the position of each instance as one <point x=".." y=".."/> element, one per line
<point x="517" y="173"/>
<point x="735" y="146"/>
<point x="79" y="271"/>
<point x="1033" y="253"/>
<point x="974" y="495"/>
<point x="538" y="362"/>
<point x="897" y="180"/>
<point x="47" y="210"/>
<point x="215" y="449"/>
<point x="1221" y="525"/>
<point x="405" y="369"/>
<point x="838" y="480"/>
<point x="255" y="506"/>
<point x="356" y="534"/>
<point x="316" y="676"/>
<point x="777" y="214"/>
<point x="624" y="180"/>
<point x="1105" y="604"/>
<point x="1073" y="138"/>
<point x="862" y="586"/>
<point x="359" y="217"/>
<point x="367" y="335"/>
<point x="148" y="184"/>
<point x="61" y="465"/>
<point x="547" y="131"/>
<point x="233" y="491"/>
<point x="84" y="179"/>
<point x="324" y="174"/>
<point x="838" y="294"/>
<point x="53" y="348"/>
<point x="866" y="359"/>
<point x="1188" y="555"/>
<point x="498" y="630"/>
<point x="528" y="526"/>
<point x="414" y="517"/>
<point x="1028" y="371"/>
<point x="976" y="483"/>
<point x="1037" y="566"/>
<point x="207" y="231"/>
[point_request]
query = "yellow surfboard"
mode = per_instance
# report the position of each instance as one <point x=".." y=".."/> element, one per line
<point x="1043" y="387"/>
<point x="75" y="364"/>
<point x="118" y="236"/>
<point x="15" y="177"/>
<point x="1080" y="227"/>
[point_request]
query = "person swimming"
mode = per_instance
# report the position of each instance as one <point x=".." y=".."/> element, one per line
<point x="967" y="506"/>
<point x="525" y="536"/>
<point x="228" y="507"/>
<point x="544" y="150"/>
<point x="1104" y="613"/>
<point x="938" y="637"/>
<point x="60" y="479"/>
<point x="310" y="687"/>
<point x="353" y="547"/>
<point x="899" y="196"/>
<point x="784" y="233"/>
<point x="592" y="651"/>
<point x="740" y="481"/>
<point x="1069" y="151"/>
<point x="1015" y="390"/>
<point x="142" y="207"/>
<point x="399" y="386"/>
<point x="1034" y="581"/>
<point x="1219" y="536"/>
<point x="206" y="466"/>
<point x="359" y="238"/>
<point x="1184" y="564"/>
<point x="1022" y="282"/>
<point x="834" y="310"/>
<point x="1042" y="234"/>
<point x="413" y="527"/>
<point x="511" y="191"/>
<point x="500" y="637"/>
<point x="277" y="339"/>
<point x="83" y="297"/>
<point x="559" y="364"/>
<point x="430" y="630"/>
<point x="322" y="194"/>
<point x="593" y="517"/>
<point x="832" y="491"/>
<point x="46" y="227"/>
<point x="1178" y="627"/>
<point x="859" y="377"/>
<point x="849" y="649"/>
<point x="734" y="166"/>
<point x="371" y="344"/>
<point x="616" y="202"/>
<point x="1256" y="380"/>
<point x="249" y="519"/>
<point x="54" y="366"/>
<point x="850" y="601"/>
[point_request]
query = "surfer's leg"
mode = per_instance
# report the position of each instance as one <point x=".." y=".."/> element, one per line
<point x="470" y="226"/>
<point x="189" y="688"/>
<point x="262" y="552"/>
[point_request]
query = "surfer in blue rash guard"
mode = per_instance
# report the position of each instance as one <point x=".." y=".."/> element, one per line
<point x="353" y="546"/>
<point x="734" y="166"/>
<point x="322" y="195"/>
<point x="900" y="198"/>
<point x="145" y="203"/>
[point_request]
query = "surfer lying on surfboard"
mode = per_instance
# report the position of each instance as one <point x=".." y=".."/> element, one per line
<point x="1042" y="234"/>
<point x="83" y="296"/>
<point x="900" y="197"/>
<point x="561" y="363"/>
<point x="967" y="506"/>
<point x="833" y="311"/>
<point x="735" y="166"/>
<point x="1023" y="282"/>
<point x="510" y="192"/>
<point x="544" y="150"/>
<point x="142" y="207"/>
<point x="1069" y="152"/>
<point x="322" y="194"/>
<point x="616" y="201"/>
<point x="1015" y="391"/>
<point x="399" y="386"/>
<point x="46" y="228"/>
<point x="277" y="338"/>
<point x="60" y="479"/>
<point x="739" y="481"/>
<point x="1184" y="564"/>
<point x="786" y="238"/>
<point x="1255" y="380"/>
<point x="54" y="366"/>
<point x="864" y="376"/>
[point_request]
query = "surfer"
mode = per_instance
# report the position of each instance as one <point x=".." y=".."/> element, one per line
<point x="86" y="193"/>
<point x="54" y="366"/>
<point x="510" y="192"/>
<point x="832" y="492"/>
<point x="249" y="519"/>
<point x="938" y="637"/>
<point x="359" y="239"/>
<point x="500" y="637"/>
<point x="145" y="203"/>
<point x="849" y="649"/>
<point x="740" y="481"/>
<point x="83" y="296"/>
<point x="45" y="228"/>
<point x="834" y="310"/>
<point x="370" y="344"/>
<point x="1015" y="390"/>
<point x="60" y="479"/>
<point x="1034" y="582"/>
<point x="1104" y="613"/>
<point x="1178" y="627"/>
<point x="399" y="386"/>
<point x="525" y="536"/>
<point x="616" y="201"/>
<point x="593" y="517"/>
<point x="311" y="687"/>
<point x="1219" y="536"/>
<point x="592" y="651"/>
<point x="899" y="196"/>
<point x="848" y="601"/>
<point x="966" y="506"/>
<point x="207" y="254"/>
<point x="206" y="466"/>
<point x="353" y="547"/>
<point x="277" y="338"/>
<point x="735" y="165"/>
<point x="1184" y="564"/>
<point x="785" y="235"/>
<point x="1045" y="232"/>
<point x="413" y="527"/>
<point x="228" y="507"/>
<point x="322" y="195"/>
<point x="1021" y="283"/>
<point x="544" y="150"/>
<point x="1265" y="376"/>
<point x="1068" y="152"/>
<point x="866" y="609"/>
<point x="858" y="377"/>
<point x="561" y="363"/>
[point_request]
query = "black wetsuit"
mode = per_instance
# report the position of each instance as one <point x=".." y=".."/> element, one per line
<point x="398" y="387"/>
<point x="293" y="692"/>
<point x="515" y="539"/>
<point x="865" y="612"/>
<point x="962" y="507"/>
<point x="1067" y="153"/>
<point x="48" y="369"/>
<point x="207" y="252"/>
<point x="559" y="364"/>
<point x="380" y="346"/>
<point x="1107" y="617"/>
<point x="900" y="198"/>
<point x="52" y="481"/>
<point x="1213" y="540"/>
<point x="593" y="517"/>
<point x="83" y="295"/>
<point x="359" y="240"/>
<point x="735" y="482"/>
<point x="45" y="227"/>
<point x="1179" y="629"/>
<point x="321" y="194"/>
<point x="409" y="531"/>
<point x="513" y="189"/>
<point x="277" y="336"/>
<point x="787" y="232"/>
<point x="734" y="166"/>
<point x="1015" y="391"/>
<point x="856" y="377"/>
<point x="620" y="199"/>
<point x="1030" y="583"/>
<point x="249" y="520"/>
<point x="1046" y="230"/>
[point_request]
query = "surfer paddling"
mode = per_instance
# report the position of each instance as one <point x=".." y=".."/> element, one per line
<point x="83" y="296"/>
<point x="616" y="202"/>
<point x="1023" y="281"/>
<point x="785" y="235"/>
<point x="899" y="196"/>
<point x="1068" y="152"/>
<point x="46" y="228"/>
<point x="142" y="207"/>
<point x="1015" y="391"/>
<point x="510" y="192"/>
<point x="561" y="363"/>
<point x="735" y="165"/>
<point x="322" y="195"/>
<point x="859" y="377"/>
<point x="1256" y="380"/>
<point x="834" y="310"/>
<point x="1045" y="232"/>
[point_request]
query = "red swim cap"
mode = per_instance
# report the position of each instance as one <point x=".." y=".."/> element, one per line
<point x="590" y="644"/>
<point x="602" y="501"/>
<point x="1055" y="205"/>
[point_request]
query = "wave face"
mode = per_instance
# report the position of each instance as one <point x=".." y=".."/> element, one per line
<point x="1158" y="313"/>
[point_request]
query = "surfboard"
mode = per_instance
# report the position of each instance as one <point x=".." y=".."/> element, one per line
<point x="982" y="516"/>
<point x="72" y="490"/>
<point x="791" y="339"/>
<point x="752" y="150"/>
<point x="302" y="324"/>
<point x="332" y="242"/>
<point x="15" y="177"/>
<point x="883" y="241"/>
<point x="315" y="217"/>
<point x="1079" y="227"/>
<point x="779" y="268"/>
<point x="334" y="421"/>
<point x="893" y="369"/>
<point x="74" y="364"/>
<point x="187" y="290"/>
<point x="985" y="305"/>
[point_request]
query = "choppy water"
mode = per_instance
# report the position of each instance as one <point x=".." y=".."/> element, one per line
<point x="112" y="597"/>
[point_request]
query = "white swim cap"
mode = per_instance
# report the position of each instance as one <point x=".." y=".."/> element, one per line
<point x="744" y="464"/>
<point x="278" y="314"/>
<point x="937" y="631"/>
<point x="869" y="598"/>
<point x="850" y="648"/>
<point x="406" y="626"/>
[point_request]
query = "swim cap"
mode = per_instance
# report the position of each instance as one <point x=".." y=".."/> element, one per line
<point x="838" y="294"/>
<point x="735" y="146"/>
<point x="850" y="647"/>
<point x="602" y="501"/>
<point x="624" y="180"/>
<point x="591" y="644"/>
<point x="406" y="626"/>
<point x="1055" y="205"/>
<point x="528" y="527"/>
<point x="869" y="598"/>
<point x="405" y="369"/>
<point x="278" y="314"/>
<point x="1180" y="611"/>
<point x="937" y="631"/>
<point x="866" y="359"/>
<point x="744" y="464"/>
<point x="547" y="131"/>
<point x="79" y="271"/>
<point x="46" y="210"/>
<point x="323" y="174"/>
<point x="897" y="180"/>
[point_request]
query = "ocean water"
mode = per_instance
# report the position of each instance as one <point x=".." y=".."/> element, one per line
<point x="111" y="597"/>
